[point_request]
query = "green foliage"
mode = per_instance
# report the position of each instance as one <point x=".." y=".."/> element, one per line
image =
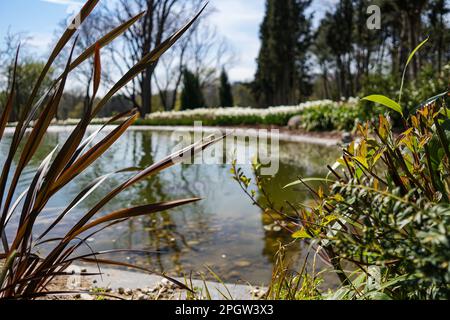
<point x="330" y="117"/>
<point x="28" y="73"/>
<point x="286" y="285"/>
<point x="225" y="94"/>
<point x="388" y="211"/>
<point x="283" y="72"/>
<point x="320" y="117"/>
<point x="381" y="218"/>
<point x="192" y="95"/>
<point x="428" y="84"/>
<point x="242" y="94"/>
<point x="385" y="101"/>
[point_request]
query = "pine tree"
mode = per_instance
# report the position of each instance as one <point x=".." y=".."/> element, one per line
<point x="225" y="94"/>
<point x="283" y="73"/>
<point x="192" y="95"/>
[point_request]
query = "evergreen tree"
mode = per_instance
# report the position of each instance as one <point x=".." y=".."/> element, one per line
<point x="283" y="73"/>
<point x="192" y="95"/>
<point x="440" y="32"/>
<point x="340" y="39"/>
<point x="225" y="94"/>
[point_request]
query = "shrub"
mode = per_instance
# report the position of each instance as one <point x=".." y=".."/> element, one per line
<point x="341" y="116"/>
<point x="388" y="211"/>
<point x="383" y="211"/>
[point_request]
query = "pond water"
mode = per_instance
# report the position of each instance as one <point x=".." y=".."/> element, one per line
<point x="224" y="231"/>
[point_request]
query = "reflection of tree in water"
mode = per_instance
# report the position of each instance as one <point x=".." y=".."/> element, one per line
<point x="172" y="233"/>
<point x="165" y="232"/>
<point x="179" y="232"/>
<point x="306" y="162"/>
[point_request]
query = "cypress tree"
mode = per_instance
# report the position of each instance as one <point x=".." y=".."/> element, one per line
<point x="225" y="94"/>
<point x="283" y="73"/>
<point x="192" y="95"/>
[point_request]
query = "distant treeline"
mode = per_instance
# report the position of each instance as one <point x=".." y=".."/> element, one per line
<point x="343" y="57"/>
<point x="297" y="62"/>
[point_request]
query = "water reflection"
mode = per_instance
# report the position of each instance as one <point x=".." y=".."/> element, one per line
<point x="224" y="231"/>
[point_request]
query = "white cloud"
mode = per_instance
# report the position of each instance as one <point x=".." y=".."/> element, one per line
<point x="40" y="41"/>
<point x="239" y="21"/>
<point x="64" y="2"/>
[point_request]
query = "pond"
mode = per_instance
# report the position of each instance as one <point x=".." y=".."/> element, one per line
<point x="223" y="231"/>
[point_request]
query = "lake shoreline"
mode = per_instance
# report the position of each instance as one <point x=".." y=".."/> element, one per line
<point x="325" y="138"/>
<point x="116" y="283"/>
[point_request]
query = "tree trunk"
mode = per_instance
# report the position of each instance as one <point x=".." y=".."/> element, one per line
<point x="146" y="92"/>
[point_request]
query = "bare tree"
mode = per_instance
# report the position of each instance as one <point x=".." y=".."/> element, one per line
<point x="8" y="50"/>
<point x="88" y="33"/>
<point x="161" y="18"/>
<point x="204" y="51"/>
<point x="209" y="54"/>
<point x="169" y="74"/>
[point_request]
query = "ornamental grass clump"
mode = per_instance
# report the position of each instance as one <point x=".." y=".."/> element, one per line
<point x="24" y="272"/>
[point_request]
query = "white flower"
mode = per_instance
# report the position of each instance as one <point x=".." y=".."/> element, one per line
<point x="238" y="112"/>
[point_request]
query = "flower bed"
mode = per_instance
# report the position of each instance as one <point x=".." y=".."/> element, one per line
<point x="278" y="116"/>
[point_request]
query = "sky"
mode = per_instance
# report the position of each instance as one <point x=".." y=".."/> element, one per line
<point x="237" y="20"/>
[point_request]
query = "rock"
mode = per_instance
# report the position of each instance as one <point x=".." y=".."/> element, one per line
<point x="121" y="290"/>
<point x="234" y="274"/>
<point x="146" y="290"/>
<point x="85" y="296"/>
<point x="128" y="292"/>
<point x="162" y="290"/>
<point x="294" y="122"/>
<point x="142" y="296"/>
<point x="165" y="282"/>
<point x="258" y="293"/>
<point x="347" y="137"/>
<point x="243" y="264"/>
<point x="193" y="243"/>
<point x="276" y="228"/>
<point x="83" y="270"/>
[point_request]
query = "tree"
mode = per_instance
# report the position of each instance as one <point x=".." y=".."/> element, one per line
<point x="324" y="58"/>
<point x="341" y="45"/>
<point x="192" y="95"/>
<point x="282" y="76"/>
<point x="243" y="95"/>
<point x="439" y="31"/>
<point x="88" y="33"/>
<point x="28" y="72"/>
<point x="206" y="53"/>
<point x="161" y="18"/>
<point x="225" y="94"/>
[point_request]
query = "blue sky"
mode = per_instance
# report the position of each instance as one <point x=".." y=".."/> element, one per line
<point x="238" y="20"/>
